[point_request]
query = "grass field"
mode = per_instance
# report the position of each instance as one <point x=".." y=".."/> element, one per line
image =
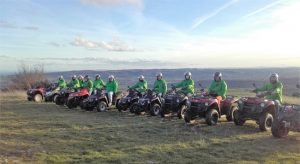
<point x="43" y="132"/>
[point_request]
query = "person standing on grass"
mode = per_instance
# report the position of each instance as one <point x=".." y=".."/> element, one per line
<point x="160" y="85"/>
<point x="273" y="89"/>
<point x="218" y="87"/>
<point x="61" y="82"/>
<point x="88" y="84"/>
<point x="111" y="88"/>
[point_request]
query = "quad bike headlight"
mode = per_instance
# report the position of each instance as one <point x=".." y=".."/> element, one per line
<point x="240" y="102"/>
<point x="177" y="100"/>
<point x="206" y="104"/>
<point x="262" y="105"/>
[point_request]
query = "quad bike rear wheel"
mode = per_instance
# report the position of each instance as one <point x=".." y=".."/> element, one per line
<point x="70" y="103"/>
<point x="279" y="130"/>
<point x="102" y="106"/>
<point x="230" y="116"/>
<point x="265" y="121"/>
<point x="155" y="109"/>
<point x="237" y="119"/>
<point x="38" y="97"/>
<point x="212" y="117"/>
<point x="187" y="117"/>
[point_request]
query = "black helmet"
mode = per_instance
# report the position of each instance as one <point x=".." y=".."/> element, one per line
<point x="87" y="77"/>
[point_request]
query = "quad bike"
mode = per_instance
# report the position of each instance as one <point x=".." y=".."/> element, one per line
<point x="63" y="95"/>
<point x="36" y="94"/>
<point x="92" y="101"/>
<point x="174" y="102"/>
<point x="150" y="102"/>
<point x="207" y="106"/>
<point x="256" y="108"/>
<point x="103" y="101"/>
<point x="52" y="93"/>
<point x="126" y="102"/>
<point x="76" y="98"/>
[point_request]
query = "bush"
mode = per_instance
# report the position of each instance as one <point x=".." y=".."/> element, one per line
<point x="28" y="77"/>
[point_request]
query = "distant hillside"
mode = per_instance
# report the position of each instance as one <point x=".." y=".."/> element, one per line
<point x="236" y="78"/>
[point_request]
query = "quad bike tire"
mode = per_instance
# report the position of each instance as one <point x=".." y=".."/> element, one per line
<point x="187" y="117"/>
<point x="265" y="121"/>
<point x="102" y="106"/>
<point x="181" y="111"/>
<point x="237" y="119"/>
<point x="212" y="117"/>
<point x="155" y="109"/>
<point x="230" y="116"/>
<point x="38" y="97"/>
<point x="55" y="97"/>
<point x="133" y="107"/>
<point x="70" y="104"/>
<point x="279" y="130"/>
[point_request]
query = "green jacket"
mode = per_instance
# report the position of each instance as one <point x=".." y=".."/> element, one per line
<point x="218" y="87"/>
<point x="98" y="84"/>
<point x="80" y="83"/>
<point x="160" y="86"/>
<point x="62" y="84"/>
<point x="74" y="84"/>
<point x="141" y="86"/>
<point x="275" y="89"/>
<point x="88" y="85"/>
<point x="187" y="86"/>
<point x="112" y="86"/>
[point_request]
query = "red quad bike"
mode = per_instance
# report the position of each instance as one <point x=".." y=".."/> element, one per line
<point x="174" y="102"/>
<point x="287" y="118"/>
<point x="256" y="108"/>
<point x="150" y="103"/>
<point x="36" y="94"/>
<point x="77" y="98"/>
<point x="126" y="102"/>
<point x="63" y="95"/>
<point x="207" y="106"/>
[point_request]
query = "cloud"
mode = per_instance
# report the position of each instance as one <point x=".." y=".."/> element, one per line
<point x="111" y="3"/>
<point x="264" y="8"/>
<point x="202" y="19"/>
<point x="5" y="24"/>
<point x="114" y="45"/>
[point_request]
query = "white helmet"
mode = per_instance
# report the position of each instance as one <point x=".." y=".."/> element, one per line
<point x="97" y="76"/>
<point x="80" y="77"/>
<point x="159" y="74"/>
<point x="274" y="75"/>
<point x="60" y="77"/>
<point x="111" y="77"/>
<point x="141" y="77"/>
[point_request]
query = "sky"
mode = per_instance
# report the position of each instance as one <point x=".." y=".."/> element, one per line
<point x="66" y="35"/>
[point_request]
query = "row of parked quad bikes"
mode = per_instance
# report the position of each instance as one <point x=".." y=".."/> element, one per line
<point x="268" y="114"/>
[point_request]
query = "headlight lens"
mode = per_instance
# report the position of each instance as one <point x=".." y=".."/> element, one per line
<point x="240" y="102"/>
<point x="206" y="104"/>
<point x="262" y="105"/>
<point x="177" y="100"/>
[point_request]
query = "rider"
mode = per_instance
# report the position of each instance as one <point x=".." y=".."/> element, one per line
<point x="141" y="86"/>
<point x="273" y="89"/>
<point x="61" y="82"/>
<point x="218" y="87"/>
<point x="88" y="84"/>
<point x="187" y="85"/>
<point x="98" y="83"/>
<point x="111" y="88"/>
<point x="74" y="83"/>
<point x="80" y="79"/>
<point x="160" y="85"/>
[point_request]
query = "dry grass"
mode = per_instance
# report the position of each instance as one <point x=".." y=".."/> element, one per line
<point x="35" y="133"/>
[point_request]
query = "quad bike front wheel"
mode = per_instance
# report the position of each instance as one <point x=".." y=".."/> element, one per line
<point x="265" y="121"/>
<point x="70" y="103"/>
<point x="278" y="129"/>
<point x="237" y="119"/>
<point x="102" y="106"/>
<point x="38" y="97"/>
<point x="133" y="107"/>
<point x="212" y="117"/>
<point x="155" y="109"/>
<point x="230" y="116"/>
<point x="181" y="111"/>
<point x="55" y="97"/>
<point x="187" y="117"/>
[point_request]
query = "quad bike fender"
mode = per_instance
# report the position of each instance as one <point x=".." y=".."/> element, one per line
<point x="103" y="99"/>
<point x="156" y="101"/>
